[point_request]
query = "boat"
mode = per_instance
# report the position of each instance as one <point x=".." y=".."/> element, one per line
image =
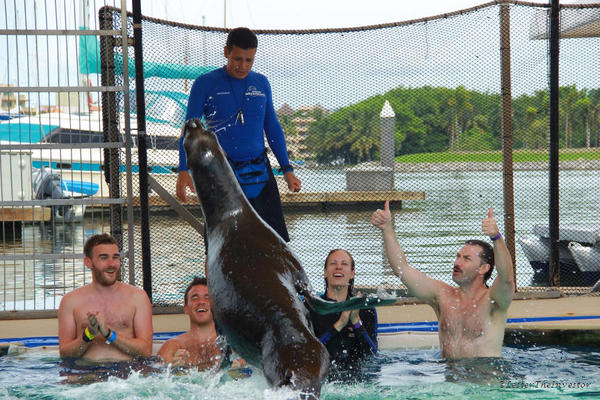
<point x="83" y="167"/>
<point x="48" y="184"/>
<point x="579" y="254"/>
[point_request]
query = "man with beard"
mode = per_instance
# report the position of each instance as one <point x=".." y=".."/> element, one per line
<point x="105" y="320"/>
<point x="471" y="316"/>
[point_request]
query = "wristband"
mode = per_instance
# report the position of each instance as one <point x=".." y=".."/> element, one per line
<point x="112" y="337"/>
<point x="357" y="325"/>
<point x="107" y="333"/>
<point x="87" y="335"/>
<point x="287" y="168"/>
<point x="498" y="236"/>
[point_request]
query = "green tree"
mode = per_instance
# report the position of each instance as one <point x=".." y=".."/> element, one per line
<point x="459" y="107"/>
<point x="568" y="97"/>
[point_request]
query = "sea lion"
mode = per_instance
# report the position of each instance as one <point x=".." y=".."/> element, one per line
<point x="253" y="277"/>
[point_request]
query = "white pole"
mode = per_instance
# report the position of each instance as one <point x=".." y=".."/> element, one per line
<point x="387" y="116"/>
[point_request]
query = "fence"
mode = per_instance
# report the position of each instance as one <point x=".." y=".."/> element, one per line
<point x="61" y="143"/>
<point x="446" y="81"/>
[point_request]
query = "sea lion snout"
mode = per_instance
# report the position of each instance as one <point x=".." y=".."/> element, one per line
<point x="200" y="144"/>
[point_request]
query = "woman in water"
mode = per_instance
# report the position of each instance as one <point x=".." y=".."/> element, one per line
<point x="349" y="336"/>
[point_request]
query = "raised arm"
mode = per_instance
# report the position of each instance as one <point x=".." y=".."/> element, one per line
<point x="503" y="288"/>
<point x="419" y="284"/>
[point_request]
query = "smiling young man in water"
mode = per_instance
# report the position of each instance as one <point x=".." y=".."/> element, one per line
<point x="472" y="316"/>
<point x="105" y="320"/>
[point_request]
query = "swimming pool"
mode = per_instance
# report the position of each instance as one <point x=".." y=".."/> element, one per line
<point x="523" y="373"/>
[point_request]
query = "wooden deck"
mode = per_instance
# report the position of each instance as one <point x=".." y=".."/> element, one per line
<point x="12" y="219"/>
<point x="25" y="214"/>
<point x="319" y="200"/>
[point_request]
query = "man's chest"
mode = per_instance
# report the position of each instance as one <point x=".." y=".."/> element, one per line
<point x="224" y="99"/>
<point x="114" y="315"/>
<point x="464" y="318"/>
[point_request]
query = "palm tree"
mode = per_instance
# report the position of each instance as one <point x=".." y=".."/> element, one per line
<point x="459" y="107"/>
<point x="568" y="96"/>
<point x="583" y="108"/>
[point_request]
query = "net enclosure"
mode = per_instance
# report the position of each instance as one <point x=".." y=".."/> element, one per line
<point x="422" y="113"/>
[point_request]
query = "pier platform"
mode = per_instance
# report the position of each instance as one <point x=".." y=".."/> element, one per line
<point x="12" y="219"/>
<point x="321" y="201"/>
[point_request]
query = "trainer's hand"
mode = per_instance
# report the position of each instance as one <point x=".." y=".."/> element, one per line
<point x="382" y="218"/>
<point x="184" y="180"/>
<point x="293" y="183"/>
<point x="488" y="225"/>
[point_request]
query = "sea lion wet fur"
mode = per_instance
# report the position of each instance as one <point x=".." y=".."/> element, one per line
<point x="253" y="277"/>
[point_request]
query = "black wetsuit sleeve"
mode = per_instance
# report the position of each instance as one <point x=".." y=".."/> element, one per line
<point x="354" y="344"/>
<point x="367" y="334"/>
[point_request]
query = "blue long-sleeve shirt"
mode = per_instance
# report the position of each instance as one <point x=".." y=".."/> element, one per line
<point x="219" y="98"/>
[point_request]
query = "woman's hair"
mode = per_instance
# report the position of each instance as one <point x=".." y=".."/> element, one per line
<point x="351" y="282"/>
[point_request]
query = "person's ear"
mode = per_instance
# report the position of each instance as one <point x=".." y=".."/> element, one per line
<point x="87" y="262"/>
<point x="484" y="268"/>
<point x="226" y="52"/>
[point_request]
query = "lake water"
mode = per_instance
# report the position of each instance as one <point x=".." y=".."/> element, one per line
<point x="431" y="231"/>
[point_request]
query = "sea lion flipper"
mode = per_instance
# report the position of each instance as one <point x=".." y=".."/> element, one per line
<point x="355" y="303"/>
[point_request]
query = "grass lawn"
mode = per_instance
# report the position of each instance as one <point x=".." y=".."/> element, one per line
<point x="496" y="156"/>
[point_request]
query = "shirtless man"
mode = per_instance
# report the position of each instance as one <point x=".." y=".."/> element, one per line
<point x="471" y="316"/>
<point x="196" y="347"/>
<point x="105" y="320"/>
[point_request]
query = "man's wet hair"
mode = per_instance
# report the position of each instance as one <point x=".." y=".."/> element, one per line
<point x="486" y="255"/>
<point x="351" y="282"/>
<point x="96" y="240"/>
<point x="195" y="282"/>
<point x="243" y="38"/>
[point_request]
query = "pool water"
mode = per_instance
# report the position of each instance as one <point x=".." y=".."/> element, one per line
<point x="523" y="373"/>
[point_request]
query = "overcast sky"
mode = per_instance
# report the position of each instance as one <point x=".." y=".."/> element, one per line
<point x="304" y="14"/>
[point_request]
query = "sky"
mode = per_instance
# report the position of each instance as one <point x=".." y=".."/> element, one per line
<point x="255" y="14"/>
<point x="304" y="14"/>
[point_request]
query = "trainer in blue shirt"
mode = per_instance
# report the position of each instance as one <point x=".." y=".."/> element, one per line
<point x="236" y="103"/>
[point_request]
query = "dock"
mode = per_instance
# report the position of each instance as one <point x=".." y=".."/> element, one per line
<point x="320" y="201"/>
<point x="12" y="219"/>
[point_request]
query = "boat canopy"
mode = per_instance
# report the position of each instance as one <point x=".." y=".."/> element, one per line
<point x="89" y="63"/>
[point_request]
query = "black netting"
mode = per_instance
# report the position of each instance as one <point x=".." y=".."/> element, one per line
<point x="443" y="81"/>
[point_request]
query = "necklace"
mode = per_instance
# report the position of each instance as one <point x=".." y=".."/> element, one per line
<point x="240" y="112"/>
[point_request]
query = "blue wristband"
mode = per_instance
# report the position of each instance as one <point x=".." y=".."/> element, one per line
<point x="357" y="325"/>
<point x="498" y="236"/>
<point x="112" y="337"/>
